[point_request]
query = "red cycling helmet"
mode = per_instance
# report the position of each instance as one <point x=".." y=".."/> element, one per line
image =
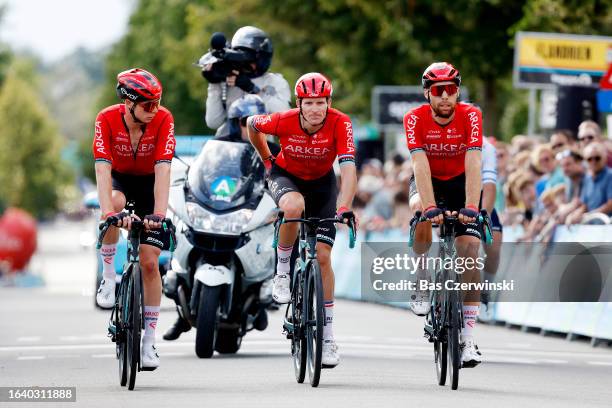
<point x="138" y="85"/>
<point x="440" y="72"/>
<point x="313" y="85"/>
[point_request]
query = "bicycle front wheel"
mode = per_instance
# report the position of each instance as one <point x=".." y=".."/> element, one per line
<point x="313" y="303"/>
<point x="134" y="325"/>
<point x="120" y="324"/>
<point x="454" y="329"/>
<point x="299" y="348"/>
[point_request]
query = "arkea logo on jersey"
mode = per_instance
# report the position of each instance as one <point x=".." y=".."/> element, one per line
<point x="100" y="148"/>
<point x="170" y="142"/>
<point x="317" y="151"/>
<point x="445" y="148"/>
<point x="475" y="128"/>
<point x="350" y="143"/>
<point x="410" y="125"/>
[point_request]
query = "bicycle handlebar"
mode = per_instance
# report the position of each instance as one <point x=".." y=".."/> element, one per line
<point x="136" y="225"/>
<point x="482" y="219"/>
<point x="314" y="222"/>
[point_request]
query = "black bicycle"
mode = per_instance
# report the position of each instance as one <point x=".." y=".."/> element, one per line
<point x="445" y="319"/>
<point x="126" y="321"/>
<point x="305" y="315"/>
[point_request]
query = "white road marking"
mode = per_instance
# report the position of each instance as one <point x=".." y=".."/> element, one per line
<point x="21" y="358"/>
<point x="600" y="363"/>
<point x="28" y="339"/>
<point x="103" y="355"/>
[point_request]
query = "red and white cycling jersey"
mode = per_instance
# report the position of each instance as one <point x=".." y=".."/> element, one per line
<point x="307" y="156"/>
<point x="112" y="141"/>
<point x="446" y="145"/>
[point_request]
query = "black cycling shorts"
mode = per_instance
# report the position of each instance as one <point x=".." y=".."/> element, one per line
<point x="319" y="197"/>
<point x="140" y="190"/>
<point x="450" y="195"/>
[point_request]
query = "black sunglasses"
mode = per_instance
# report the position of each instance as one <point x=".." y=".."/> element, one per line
<point x="593" y="159"/>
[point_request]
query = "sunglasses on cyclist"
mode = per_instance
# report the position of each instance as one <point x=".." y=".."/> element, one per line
<point x="438" y="90"/>
<point x="150" y="106"/>
<point x="593" y="159"/>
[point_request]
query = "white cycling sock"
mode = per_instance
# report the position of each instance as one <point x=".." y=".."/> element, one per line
<point x="151" y="314"/>
<point x="328" y="333"/>
<point x="107" y="252"/>
<point x="470" y="314"/>
<point x="284" y="258"/>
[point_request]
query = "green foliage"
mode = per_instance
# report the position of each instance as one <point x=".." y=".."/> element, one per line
<point x="155" y="42"/>
<point x="31" y="171"/>
<point x="572" y="17"/>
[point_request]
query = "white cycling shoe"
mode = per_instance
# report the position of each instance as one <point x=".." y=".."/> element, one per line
<point x="470" y="356"/>
<point x="281" y="291"/>
<point x="105" y="298"/>
<point x="419" y="303"/>
<point x="149" y="359"/>
<point x="330" y="357"/>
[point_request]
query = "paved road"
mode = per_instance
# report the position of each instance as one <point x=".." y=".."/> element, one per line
<point x="52" y="336"/>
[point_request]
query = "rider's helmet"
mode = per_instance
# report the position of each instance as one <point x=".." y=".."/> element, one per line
<point x="138" y="85"/>
<point x="256" y="43"/>
<point x="241" y="108"/>
<point x="440" y="72"/>
<point x="313" y="85"/>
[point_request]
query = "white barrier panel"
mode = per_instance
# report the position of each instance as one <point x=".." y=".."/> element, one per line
<point x="588" y="319"/>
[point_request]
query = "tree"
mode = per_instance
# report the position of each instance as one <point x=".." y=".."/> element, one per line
<point x="154" y="41"/>
<point x="31" y="172"/>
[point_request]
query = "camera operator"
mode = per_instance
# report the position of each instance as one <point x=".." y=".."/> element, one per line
<point x="241" y="70"/>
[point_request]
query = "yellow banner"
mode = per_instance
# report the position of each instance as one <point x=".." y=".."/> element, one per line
<point x="564" y="52"/>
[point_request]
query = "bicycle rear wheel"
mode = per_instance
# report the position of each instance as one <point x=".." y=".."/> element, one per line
<point x="298" y="340"/>
<point x="120" y="323"/>
<point x="454" y="328"/>
<point x="134" y="327"/>
<point x="313" y="303"/>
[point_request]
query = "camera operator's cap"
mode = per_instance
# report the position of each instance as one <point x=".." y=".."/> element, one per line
<point x="313" y="85"/>
<point x="138" y="85"/>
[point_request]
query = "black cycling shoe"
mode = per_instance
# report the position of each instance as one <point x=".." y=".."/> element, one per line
<point x="180" y="326"/>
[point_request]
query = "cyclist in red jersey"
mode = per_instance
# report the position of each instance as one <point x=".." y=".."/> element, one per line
<point x="302" y="180"/>
<point x="445" y="141"/>
<point x="133" y="148"/>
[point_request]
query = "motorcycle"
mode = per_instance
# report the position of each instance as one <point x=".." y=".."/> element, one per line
<point x="220" y="274"/>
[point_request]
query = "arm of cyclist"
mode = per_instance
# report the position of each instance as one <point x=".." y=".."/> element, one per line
<point x="259" y="142"/>
<point x="473" y="183"/>
<point x="422" y="177"/>
<point x="163" y="160"/>
<point x="161" y="192"/>
<point x="348" y="187"/>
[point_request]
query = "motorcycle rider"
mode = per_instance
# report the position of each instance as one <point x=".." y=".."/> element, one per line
<point x="271" y="87"/>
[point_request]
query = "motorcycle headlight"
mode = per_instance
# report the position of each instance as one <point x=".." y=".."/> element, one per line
<point x="228" y="224"/>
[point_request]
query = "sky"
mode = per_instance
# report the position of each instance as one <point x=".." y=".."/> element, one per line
<point x="54" y="28"/>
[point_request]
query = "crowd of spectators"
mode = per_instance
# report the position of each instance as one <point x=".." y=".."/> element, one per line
<point x="541" y="182"/>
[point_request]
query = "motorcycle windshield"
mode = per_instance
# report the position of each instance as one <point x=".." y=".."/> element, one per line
<point x="225" y="174"/>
